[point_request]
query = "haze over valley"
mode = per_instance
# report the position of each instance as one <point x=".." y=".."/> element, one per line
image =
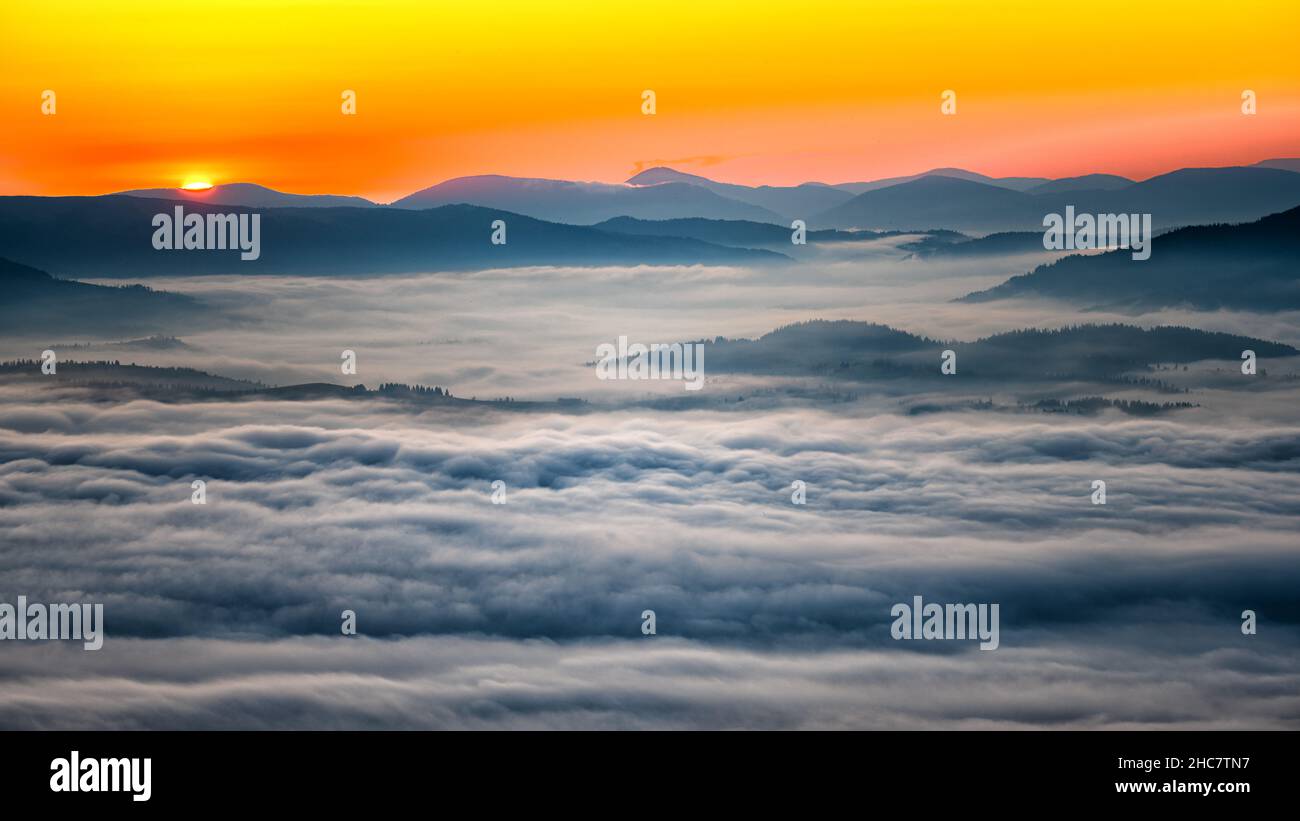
<point x="823" y="366"/>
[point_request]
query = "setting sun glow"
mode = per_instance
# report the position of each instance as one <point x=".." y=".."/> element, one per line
<point x="544" y="92"/>
<point x="197" y="185"/>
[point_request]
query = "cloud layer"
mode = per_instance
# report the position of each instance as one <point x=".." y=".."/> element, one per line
<point x="336" y="506"/>
<point x="528" y="614"/>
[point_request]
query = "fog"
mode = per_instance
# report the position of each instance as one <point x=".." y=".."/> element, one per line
<point x="528" y="613"/>
<point x="526" y="332"/>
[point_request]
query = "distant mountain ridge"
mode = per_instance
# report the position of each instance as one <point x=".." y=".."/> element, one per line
<point x="250" y="195"/>
<point x="111" y="237"/>
<point x="1182" y="197"/>
<point x="790" y="202"/>
<point x="1087" y="182"/>
<point x="584" y="203"/>
<point x="950" y="199"/>
<point x="1190" y="196"/>
<point x="1010" y="183"/>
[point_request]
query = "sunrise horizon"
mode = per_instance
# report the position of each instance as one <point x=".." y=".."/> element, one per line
<point x="203" y="183"/>
<point x="381" y="109"/>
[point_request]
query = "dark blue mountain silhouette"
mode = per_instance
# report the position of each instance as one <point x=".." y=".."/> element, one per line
<point x="112" y="236"/>
<point x="36" y="303"/>
<point x="1253" y="266"/>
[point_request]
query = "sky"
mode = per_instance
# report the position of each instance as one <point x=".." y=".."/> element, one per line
<point x="158" y="94"/>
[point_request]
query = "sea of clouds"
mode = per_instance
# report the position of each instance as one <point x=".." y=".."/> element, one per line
<point x="528" y="614"/>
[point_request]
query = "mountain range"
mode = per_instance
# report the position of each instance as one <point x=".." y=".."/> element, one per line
<point x="790" y="202"/>
<point x="941" y="198"/>
<point x="110" y="236"/>
<point x="1010" y="183"/>
<point x="249" y="195"/>
<point x="583" y="203"/>
<point x="1190" y="196"/>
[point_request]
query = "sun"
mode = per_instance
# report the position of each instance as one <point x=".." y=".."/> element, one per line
<point x="196" y="185"/>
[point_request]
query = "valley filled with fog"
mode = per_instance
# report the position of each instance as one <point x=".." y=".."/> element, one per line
<point x="970" y="487"/>
<point x="526" y="332"/>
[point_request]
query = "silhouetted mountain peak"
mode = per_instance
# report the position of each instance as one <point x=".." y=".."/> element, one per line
<point x="1086" y="182"/>
<point x="660" y="174"/>
<point x="249" y="195"/>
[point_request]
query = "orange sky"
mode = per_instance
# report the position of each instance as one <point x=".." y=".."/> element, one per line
<point x="155" y="94"/>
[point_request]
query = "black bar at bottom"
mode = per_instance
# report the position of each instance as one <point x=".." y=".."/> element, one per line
<point x="334" y="771"/>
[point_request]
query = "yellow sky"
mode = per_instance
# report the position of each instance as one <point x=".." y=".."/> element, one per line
<point x="160" y="93"/>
